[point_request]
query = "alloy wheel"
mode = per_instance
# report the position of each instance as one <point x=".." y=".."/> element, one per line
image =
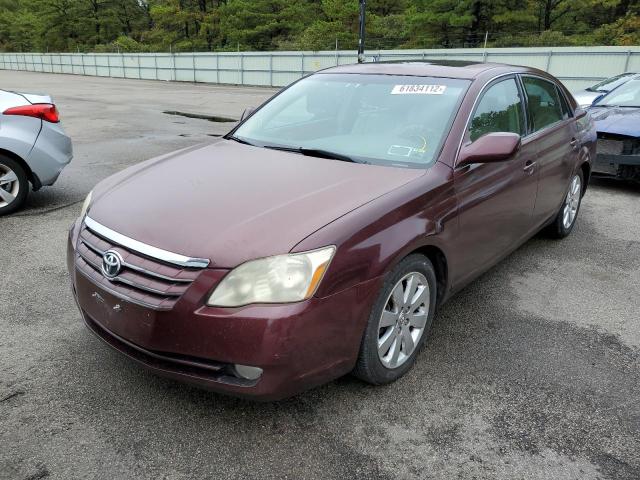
<point x="403" y="320"/>
<point x="572" y="202"/>
<point x="9" y="186"/>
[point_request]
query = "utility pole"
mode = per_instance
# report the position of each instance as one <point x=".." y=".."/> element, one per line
<point x="363" y="7"/>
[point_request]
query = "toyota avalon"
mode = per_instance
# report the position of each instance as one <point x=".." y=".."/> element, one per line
<point x="320" y="235"/>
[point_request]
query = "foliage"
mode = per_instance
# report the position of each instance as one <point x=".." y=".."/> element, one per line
<point x="203" y="25"/>
<point x="624" y="31"/>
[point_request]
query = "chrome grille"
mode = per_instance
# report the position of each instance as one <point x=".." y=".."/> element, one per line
<point x="143" y="280"/>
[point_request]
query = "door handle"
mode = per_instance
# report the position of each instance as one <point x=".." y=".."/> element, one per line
<point x="529" y="167"/>
<point x="574" y="143"/>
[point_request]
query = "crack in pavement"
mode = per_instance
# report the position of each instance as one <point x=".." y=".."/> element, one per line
<point x="12" y="395"/>
<point x="35" y="213"/>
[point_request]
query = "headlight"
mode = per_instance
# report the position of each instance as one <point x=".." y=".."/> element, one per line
<point x="86" y="204"/>
<point x="279" y="279"/>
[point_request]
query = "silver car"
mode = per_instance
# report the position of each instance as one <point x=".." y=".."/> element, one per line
<point x="588" y="95"/>
<point x="33" y="146"/>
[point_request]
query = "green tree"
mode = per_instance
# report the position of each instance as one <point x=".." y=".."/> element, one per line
<point x="179" y="25"/>
<point x="438" y="23"/>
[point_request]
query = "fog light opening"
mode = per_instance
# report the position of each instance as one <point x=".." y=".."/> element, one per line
<point x="247" y="372"/>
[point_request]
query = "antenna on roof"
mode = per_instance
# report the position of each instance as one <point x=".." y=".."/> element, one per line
<point x="361" y="57"/>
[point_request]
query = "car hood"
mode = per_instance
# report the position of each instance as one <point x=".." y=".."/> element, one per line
<point x="231" y="203"/>
<point x="585" y="97"/>
<point x="618" y="121"/>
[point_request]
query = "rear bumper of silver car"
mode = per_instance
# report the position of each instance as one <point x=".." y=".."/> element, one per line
<point x="51" y="152"/>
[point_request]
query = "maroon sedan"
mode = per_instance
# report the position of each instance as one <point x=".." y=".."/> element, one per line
<point x="321" y="234"/>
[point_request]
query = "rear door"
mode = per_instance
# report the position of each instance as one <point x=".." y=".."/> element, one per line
<point x="553" y="131"/>
<point x="496" y="200"/>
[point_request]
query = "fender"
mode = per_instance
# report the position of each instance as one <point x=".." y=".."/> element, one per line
<point x="372" y="239"/>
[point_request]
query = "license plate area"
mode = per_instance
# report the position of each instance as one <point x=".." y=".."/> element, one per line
<point x="125" y="319"/>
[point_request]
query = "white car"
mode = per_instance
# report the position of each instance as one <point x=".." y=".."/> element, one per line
<point x="33" y="146"/>
<point x="586" y="97"/>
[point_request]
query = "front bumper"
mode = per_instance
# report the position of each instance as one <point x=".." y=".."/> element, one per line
<point x="298" y="346"/>
<point x="610" y="164"/>
<point x="605" y="159"/>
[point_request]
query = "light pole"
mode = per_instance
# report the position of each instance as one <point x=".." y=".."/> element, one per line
<point x="363" y="6"/>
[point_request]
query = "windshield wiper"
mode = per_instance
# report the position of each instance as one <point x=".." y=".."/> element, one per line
<point x="283" y="149"/>
<point x="240" y="140"/>
<point x="315" y="152"/>
<point x="617" y="106"/>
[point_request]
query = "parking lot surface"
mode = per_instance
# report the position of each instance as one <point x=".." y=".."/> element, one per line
<point x="532" y="372"/>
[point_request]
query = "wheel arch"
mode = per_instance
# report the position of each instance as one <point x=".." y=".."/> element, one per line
<point x="35" y="182"/>
<point x="438" y="259"/>
<point x="585" y="167"/>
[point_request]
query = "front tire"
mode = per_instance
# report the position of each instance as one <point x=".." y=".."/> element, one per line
<point x="568" y="214"/>
<point x="14" y="185"/>
<point x="399" y="322"/>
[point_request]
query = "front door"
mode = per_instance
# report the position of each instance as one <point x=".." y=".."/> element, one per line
<point x="495" y="200"/>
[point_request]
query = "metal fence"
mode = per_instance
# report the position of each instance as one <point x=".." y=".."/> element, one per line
<point x="577" y="67"/>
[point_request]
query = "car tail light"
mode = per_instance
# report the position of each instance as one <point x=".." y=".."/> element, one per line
<point x="44" y="111"/>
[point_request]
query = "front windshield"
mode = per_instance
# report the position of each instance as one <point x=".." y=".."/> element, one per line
<point x="380" y="119"/>
<point x="610" y="83"/>
<point x="627" y="95"/>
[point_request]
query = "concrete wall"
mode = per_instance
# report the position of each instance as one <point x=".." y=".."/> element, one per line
<point x="577" y="67"/>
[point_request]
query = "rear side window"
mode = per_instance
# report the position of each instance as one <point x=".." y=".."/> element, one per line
<point x="566" y="109"/>
<point x="499" y="110"/>
<point x="545" y="107"/>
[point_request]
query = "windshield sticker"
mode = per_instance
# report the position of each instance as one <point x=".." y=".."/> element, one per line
<point x="418" y="89"/>
<point x="400" y="150"/>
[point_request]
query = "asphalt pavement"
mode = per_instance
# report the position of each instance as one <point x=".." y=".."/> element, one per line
<point x="532" y="372"/>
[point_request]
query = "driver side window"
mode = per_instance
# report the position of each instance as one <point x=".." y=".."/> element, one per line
<point x="499" y="110"/>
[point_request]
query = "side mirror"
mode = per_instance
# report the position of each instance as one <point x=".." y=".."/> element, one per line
<point x="247" y="113"/>
<point x="492" y="147"/>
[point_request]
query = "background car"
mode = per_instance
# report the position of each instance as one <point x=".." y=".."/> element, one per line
<point x="617" y="120"/>
<point x="33" y="146"/>
<point x="588" y="95"/>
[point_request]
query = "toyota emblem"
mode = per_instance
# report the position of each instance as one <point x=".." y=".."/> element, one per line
<point x="111" y="264"/>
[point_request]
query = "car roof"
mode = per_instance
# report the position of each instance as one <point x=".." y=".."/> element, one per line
<point x="430" y="68"/>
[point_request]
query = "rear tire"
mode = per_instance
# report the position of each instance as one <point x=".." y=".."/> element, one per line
<point x="14" y="185"/>
<point x="399" y="323"/>
<point x="568" y="214"/>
